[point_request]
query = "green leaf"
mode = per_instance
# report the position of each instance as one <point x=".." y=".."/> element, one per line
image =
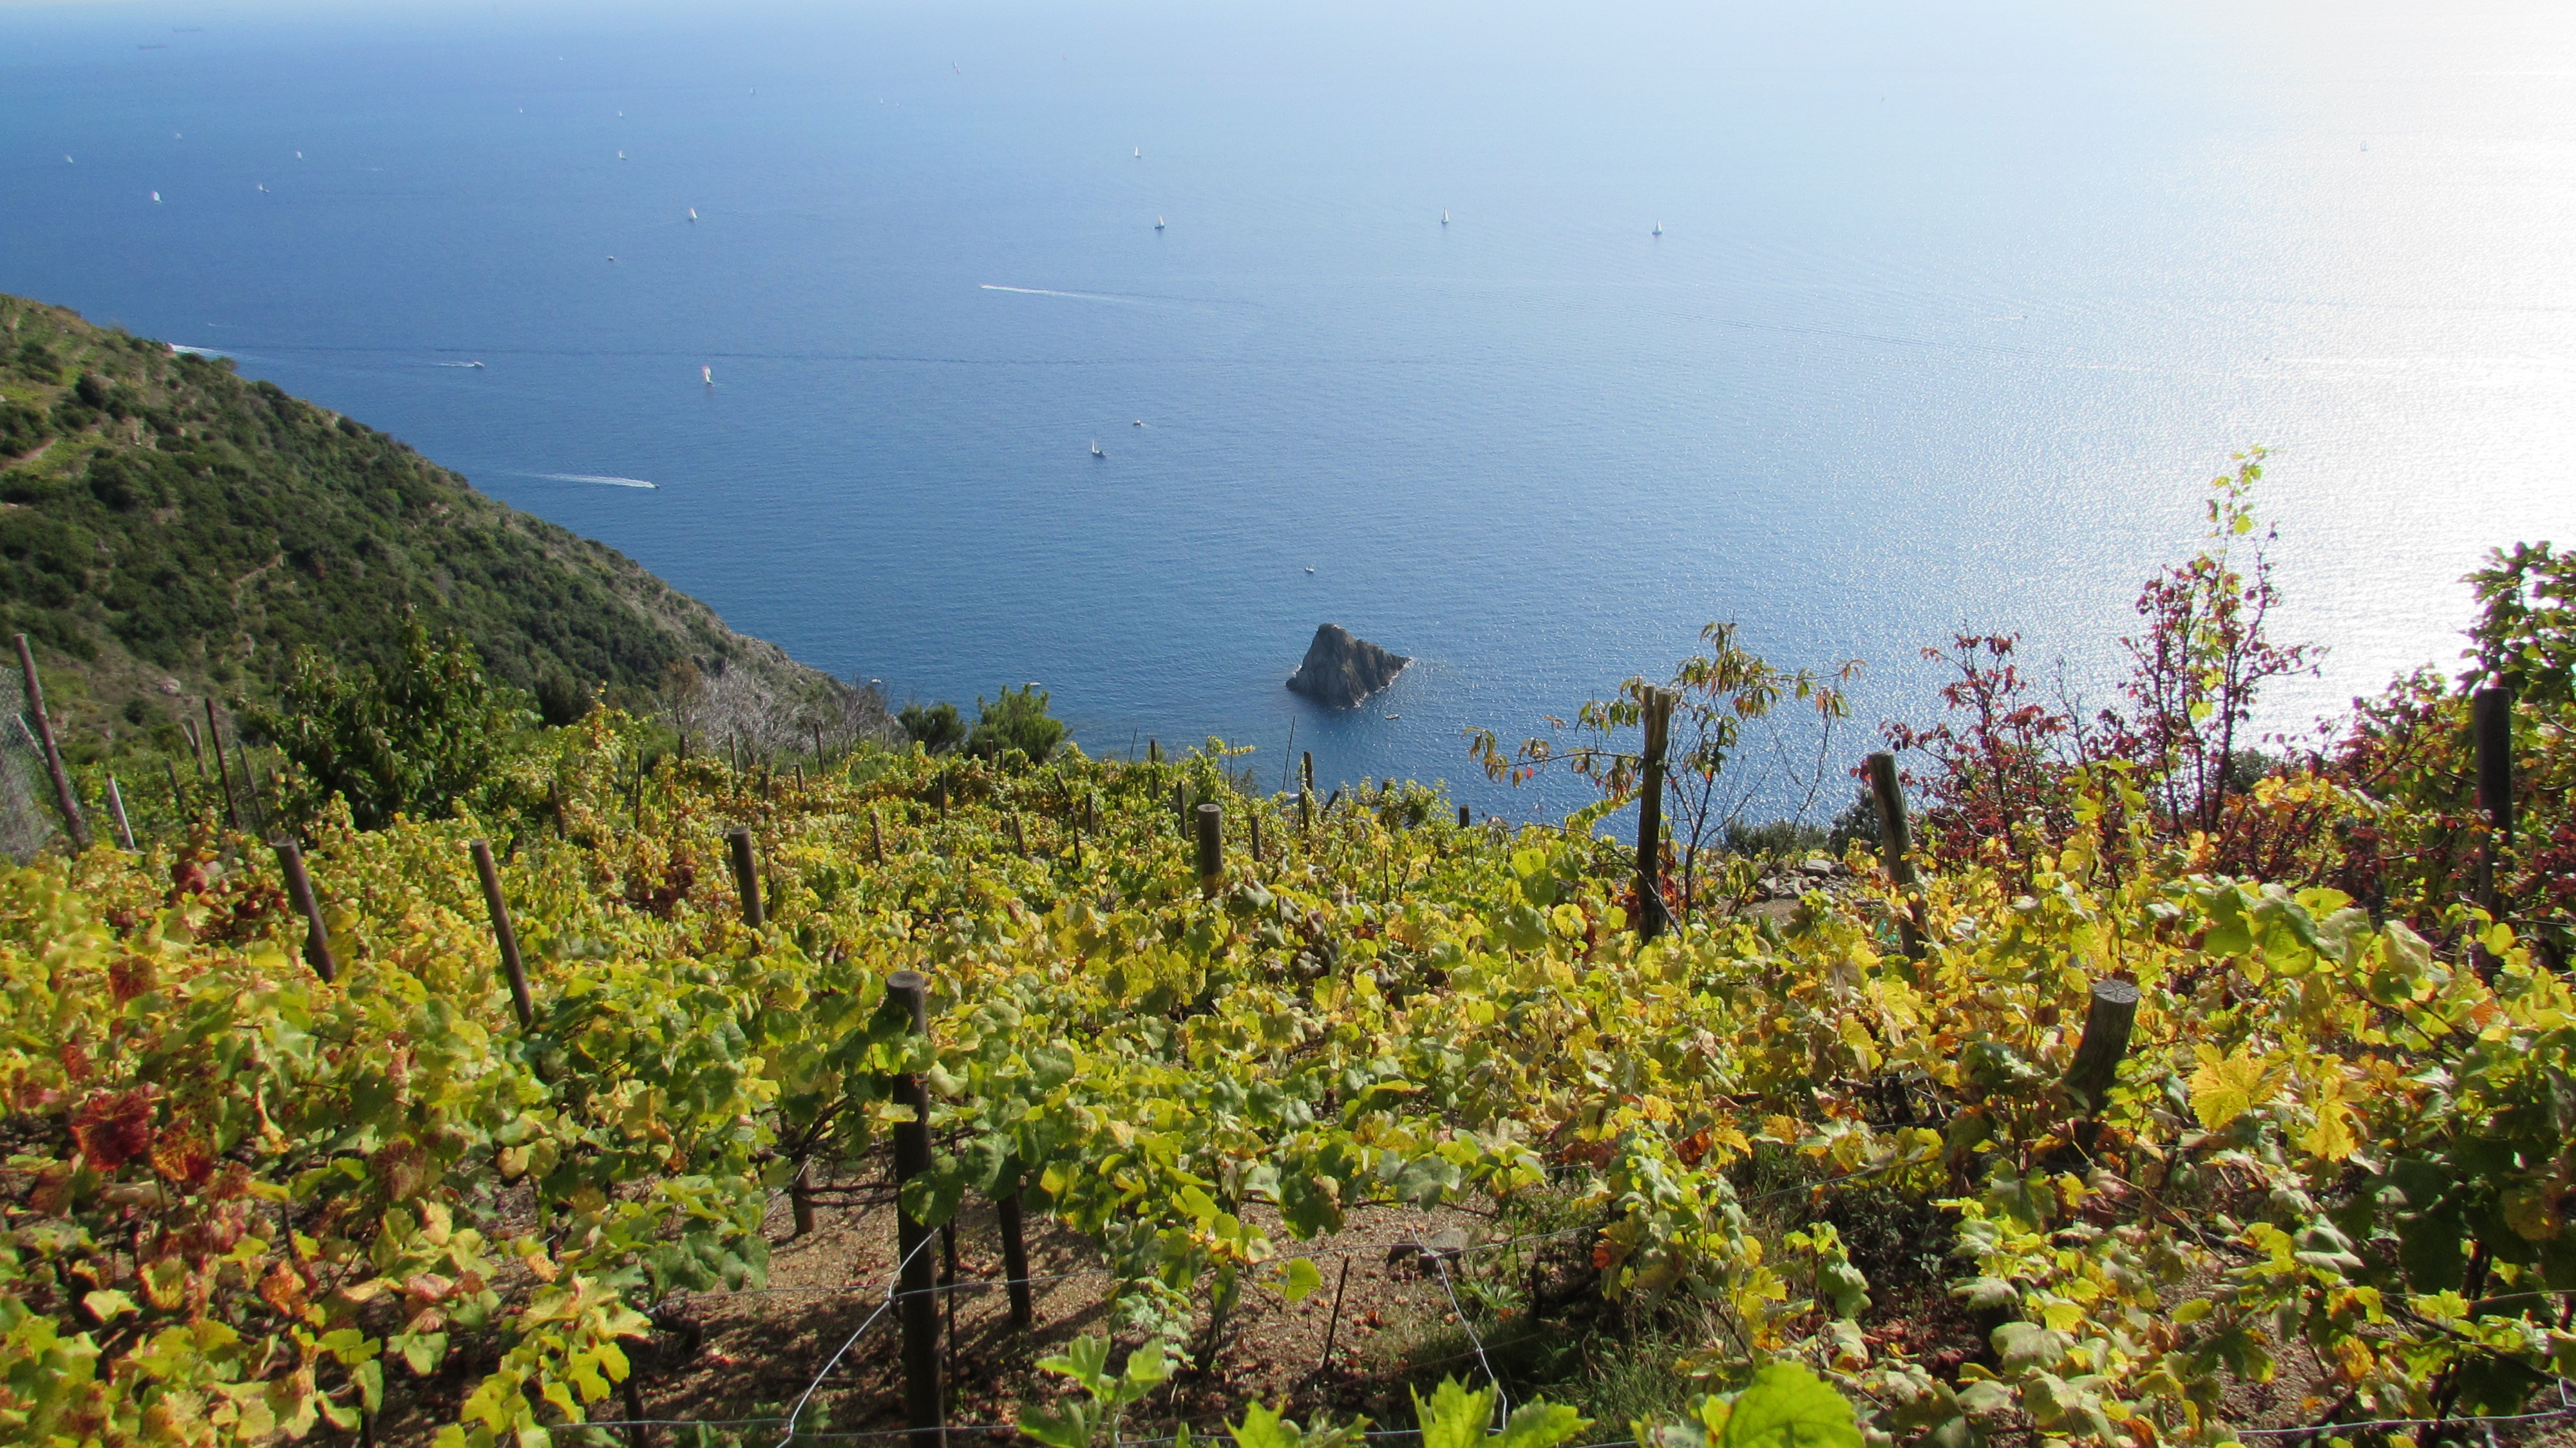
<point x="1455" y="1417"/>
<point x="1068" y="1427"/>
<point x="109" y="1305"/>
<point x="1303" y="1277"/>
<point x="1541" y="1424"/>
<point x="1789" y="1407"/>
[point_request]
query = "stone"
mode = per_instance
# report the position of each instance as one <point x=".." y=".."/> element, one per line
<point x="1340" y="670"/>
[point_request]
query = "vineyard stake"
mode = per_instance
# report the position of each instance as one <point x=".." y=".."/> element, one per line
<point x="2491" y="721"/>
<point x="223" y="771"/>
<point x="1255" y="818"/>
<point x="1306" y="811"/>
<point x="1181" y="809"/>
<point x="116" y="809"/>
<point x="63" y="798"/>
<point x="1019" y="837"/>
<point x="503" y="934"/>
<point x="299" y="888"/>
<point x="746" y="876"/>
<point x="1464" y="818"/>
<point x="1211" y="849"/>
<point x="1015" y="1261"/>
<point x="1333" y="1324"/>
<point x="2107" y="1023"/>
<point x="876" y="835"/>
<point x="818" y="742"/>
<point x="1650" y="817"/>
<point x="196" y="745"/>
<point x="1896" y="847"/>
<point x="1309" y="767"/>
<point x="909" y="992"/>
<point x="178" y="797"/>
<point x="948" y="1291"/>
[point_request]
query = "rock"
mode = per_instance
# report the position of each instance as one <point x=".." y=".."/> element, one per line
<point x="1340" y="670"/>
<point x="1819" y="867"/>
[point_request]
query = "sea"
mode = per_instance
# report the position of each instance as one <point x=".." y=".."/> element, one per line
<point x="1113" y="346"/>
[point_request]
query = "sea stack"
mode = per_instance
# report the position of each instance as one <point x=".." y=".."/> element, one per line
<point x="1340" y="670"/>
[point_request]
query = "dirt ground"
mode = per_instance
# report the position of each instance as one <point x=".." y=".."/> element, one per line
<point x="741" y="1360"/>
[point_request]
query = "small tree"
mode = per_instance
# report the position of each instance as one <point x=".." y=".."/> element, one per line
<point x="1728" y="750"/>
<point x="2205" y="655"/>
<point x="935" y="727"/>
<point x="413" y="741"/>
<point x="1017" y="720"/>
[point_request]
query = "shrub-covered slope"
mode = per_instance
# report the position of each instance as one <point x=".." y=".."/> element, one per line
<point x="162" y="518"/>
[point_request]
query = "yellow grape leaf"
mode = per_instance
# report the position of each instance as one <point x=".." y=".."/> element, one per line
<point x="1781" y="1128"/>
<point x="2332" y="1137"/>
<point x="2224" y="1089"/>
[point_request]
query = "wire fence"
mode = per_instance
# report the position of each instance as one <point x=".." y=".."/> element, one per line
<point x="26" y="799"/>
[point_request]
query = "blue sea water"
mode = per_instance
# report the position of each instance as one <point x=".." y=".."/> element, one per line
<point x="1955" y="309"/>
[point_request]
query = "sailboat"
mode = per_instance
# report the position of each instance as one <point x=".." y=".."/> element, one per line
<point x="1158" y="223"/>
<point x="707" y="375"/>
<point x="1659" y="229"/>
<point x="693" y="213"/>
<point x="1140" y="153"/>
<point x="1095" y="449"/>
<point x="1444" y="218"/>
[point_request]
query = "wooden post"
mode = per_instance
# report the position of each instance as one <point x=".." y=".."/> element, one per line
<point x="178" y="796"/>
<point x="817" y="727"/>
<point x="299" y="888"/>
<point x="63" y="797"/>
<point x="2491" y="722"/>
<point x="746" y="876"/>
<point x="1309" y="767"/>
<point x="1153" y="750"/>
<point x="513" y="969"/>
<point x="1306" y="811"/>
<point x="916" y="1294"/>
<point x="876" y="835"/>
<point x="800" y="1198"/>
<point x="1211" y="823"/>
<point x="1651" y="918"/>
<point x="1896" y="847"/>
<point x="196" y="745"/>
<point x="1181" y="809"/>
<point x="1015" y="1262"/>
<point x="1254" y="818"/>
<point x="223" y="770"/>
<point x="116" y="810"/>
<point x="2106" y="1039"/>
<point x="1333" y="1324"/>
<point x="1019" y="836"/>
<point x="1464" y="818"/>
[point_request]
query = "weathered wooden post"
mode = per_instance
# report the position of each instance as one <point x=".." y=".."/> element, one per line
<point x="1651" y="918"/>
<point x="2107" y="1023"/>
<point x="223" y="770"/>
<point x="916" y="1293"/>
<point x="1019" y="837"/>
<point x="1181" y="809"/>
<point x="1896" y="847"/>
<point x="1254" y="818"/>
<point x="2491" y="723"/>
<point x="116" y="811"/>
<point x="299" y="888"/>
<point x="1015" y="1261"/>
<point x="63" y="797"/>
<point x="876" y="835"/>
<point x="1211" y="831"/>
<point x="1307" y="768"/>
<point x="497" y="905"/>
<point x="746" y="876"/>
<point x="1464" y="817"/>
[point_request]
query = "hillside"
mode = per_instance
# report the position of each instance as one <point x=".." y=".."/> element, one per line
<point x="169" y="528"/>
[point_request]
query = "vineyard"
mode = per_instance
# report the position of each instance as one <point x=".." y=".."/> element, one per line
<point x="665" y="1099"/>
<point x="244" y="1201"/>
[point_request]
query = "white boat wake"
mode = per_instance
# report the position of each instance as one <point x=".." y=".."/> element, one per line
<point x="596" y="478"/>
<point x="1077" y="296"/>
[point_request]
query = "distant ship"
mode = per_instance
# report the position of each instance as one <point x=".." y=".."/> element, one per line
<point x="1444" y="218"/>
<point x="1158" y="223"/>
<point x="1658" y="231"/>
<point x="707" y="375"/>
<point x="1095" y="449"/>
<point x="693" y="213"/>
<point x="1140" y="153"/>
